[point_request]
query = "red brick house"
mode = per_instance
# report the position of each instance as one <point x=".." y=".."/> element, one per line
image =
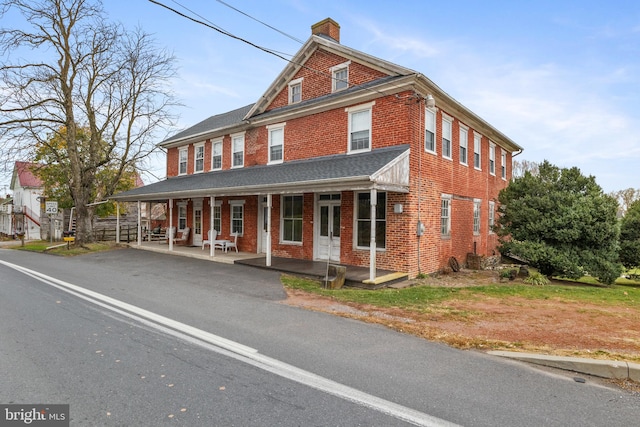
<point x="345" y="156"/>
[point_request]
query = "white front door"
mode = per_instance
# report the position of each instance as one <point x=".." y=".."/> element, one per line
<point x="328" y="228"/>
<point x="197" y="223"/>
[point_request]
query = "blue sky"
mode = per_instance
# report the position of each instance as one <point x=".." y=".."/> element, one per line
<point x="561" y="78"/>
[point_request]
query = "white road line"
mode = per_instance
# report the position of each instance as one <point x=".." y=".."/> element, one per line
<point x="237" y="351"/>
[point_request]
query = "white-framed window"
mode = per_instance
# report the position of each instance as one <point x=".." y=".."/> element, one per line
<point x="237" y="216"/>
<point x="503" y="164"/>
<point x="446" y="136"/>
<point x="198" y="158"/>
<point x="492" y="216"/>
<point x="182" y="160"/>
<point x="340" y="77"/>
<point x="445" y="215"/>
<point x="477" y="151"/>
<point x="430" y="131"/>
<point x="237" y="150"/>
<point x="295" y="91"/>
<point x="464" y="145"/>
<point x="276" y="142"/>
<point x="216" y="155"/>
<point x="359" y="127"/>
<point x="291" y="219"/>
<point x="217" y="217"/>
<point x="363" y="220"/>
<point x="182" y="216"/>
<point x="477" y="204"/>
<point x="492" y="159"/>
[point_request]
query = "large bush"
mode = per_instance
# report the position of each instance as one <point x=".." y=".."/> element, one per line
<point x="561" y="223"/>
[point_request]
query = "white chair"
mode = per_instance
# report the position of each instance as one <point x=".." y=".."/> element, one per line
<point x="234" y="243"/>
<point x="170" y="234"/>
<point x="211" y="236"/>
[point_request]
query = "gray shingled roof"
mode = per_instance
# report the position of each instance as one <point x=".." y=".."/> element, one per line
<point x="219" y="121"/>
<point x="335" y="172"/>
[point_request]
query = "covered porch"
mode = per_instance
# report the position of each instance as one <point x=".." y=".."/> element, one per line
<point x="299" y="195"/>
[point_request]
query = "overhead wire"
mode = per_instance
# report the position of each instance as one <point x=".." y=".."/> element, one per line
<point x="275" y="53"/>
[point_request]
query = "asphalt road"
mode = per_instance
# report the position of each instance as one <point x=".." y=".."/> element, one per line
<point x="203" y="343"/>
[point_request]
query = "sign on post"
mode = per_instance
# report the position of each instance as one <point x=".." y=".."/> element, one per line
<point x="51" y="208"/>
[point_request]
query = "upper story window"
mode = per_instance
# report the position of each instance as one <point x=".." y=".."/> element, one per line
<point x="295" y="91"/>
<point x="464" y="145"/>
<point x="430" y="131"/>
<point x="360" y="128"/>
<point x="340" y="77"/>
<point x="182" y="161"/>
<point x="492" y="159"/>
<point x="446" y="136"/>
<point x="237" y="151"/>
<point x="198" y="158"/>
<point x="503" y="164"/>
<point x="276" y="143"/>
<point x="477" y="151"/>
<point x="216" y="155"/>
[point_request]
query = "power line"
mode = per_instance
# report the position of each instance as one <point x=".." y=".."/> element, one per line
<point x="280" y="55"/>
<point x="263" y="23"/>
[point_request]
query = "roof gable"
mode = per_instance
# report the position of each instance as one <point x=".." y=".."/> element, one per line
<point x="24" y="177"/>
<point x="335" y="53"/>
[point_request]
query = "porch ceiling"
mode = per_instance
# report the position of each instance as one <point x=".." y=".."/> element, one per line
<point x="385" y="169"/>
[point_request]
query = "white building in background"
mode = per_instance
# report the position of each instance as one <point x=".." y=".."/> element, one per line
<point x="23" y="216"/>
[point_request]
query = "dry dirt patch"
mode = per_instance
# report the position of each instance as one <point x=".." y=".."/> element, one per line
<point x="552" y="326"/>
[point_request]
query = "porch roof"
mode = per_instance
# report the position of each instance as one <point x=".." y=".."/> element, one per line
<point x="386" y="169"/>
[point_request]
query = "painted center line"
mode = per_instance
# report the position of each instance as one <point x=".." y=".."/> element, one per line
<point x="237" y="351"/>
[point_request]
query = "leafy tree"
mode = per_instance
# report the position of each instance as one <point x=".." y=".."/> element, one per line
<point x="54" y="171"/>
<point x="86" y="82"/>
<point x="561" y="223"/>
<point x="625" y="198"/>
<point x="630" y="236"/>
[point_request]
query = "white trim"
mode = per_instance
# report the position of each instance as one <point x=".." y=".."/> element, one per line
<point x="293" y="83"/>
<point x="477" y="207"/>
<point x="335" y="69"/>
<point x="184" y="150"/>
<point x="354" y="110"/>
<point x="271" y="128"/>
<point x="433" y="113"/>
<point x="195" y="157"/>
<point x="477" y="138"/>
<point x="492" y="158"/>
<point x="448" y="197"/>
<point x="448" y="120"/>
<point x="463" y="136"/>
<point x="233" y="137"/>
<point x="281" y="237"/>
<point x="215" y="142"/>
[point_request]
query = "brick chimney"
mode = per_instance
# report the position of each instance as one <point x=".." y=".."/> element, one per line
<point x="327" y="27"/>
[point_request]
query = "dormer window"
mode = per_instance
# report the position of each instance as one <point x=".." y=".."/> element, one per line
<point x="340" y="77"/>
<point x="295" y="91"/>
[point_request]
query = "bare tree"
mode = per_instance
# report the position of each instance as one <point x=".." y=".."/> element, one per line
<point x="81" y="71"/>
<point x="625" y="198"/>
<point x="522" y="166"/>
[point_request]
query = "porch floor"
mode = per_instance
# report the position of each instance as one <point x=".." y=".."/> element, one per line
<point x="355" y="276"/>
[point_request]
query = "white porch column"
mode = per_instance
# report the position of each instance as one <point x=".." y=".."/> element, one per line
<point x="117" y="222"/>
<point x="139" y="223"/>
<point x="268" y="243"/>
<point x="170" y="224"/>
<point x="372" y="243"/>
<point x="212" y="202"/>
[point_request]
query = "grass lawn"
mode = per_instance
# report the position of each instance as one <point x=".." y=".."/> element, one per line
<point x="420" y="298"/>
<point x="72" y="250"/>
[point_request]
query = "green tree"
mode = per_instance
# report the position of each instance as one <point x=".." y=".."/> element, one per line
<point x="630" y="236"/>
<point x="66" y="67"/>
<point x="560" y="222"/>
<point x="55" y="172"/>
